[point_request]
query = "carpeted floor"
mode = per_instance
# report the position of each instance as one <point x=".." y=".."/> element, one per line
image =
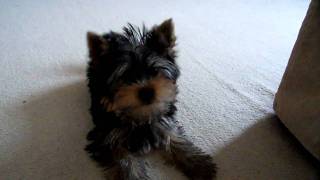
<point x="232" y="55"/>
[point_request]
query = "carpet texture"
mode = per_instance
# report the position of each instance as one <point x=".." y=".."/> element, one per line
<point x="232" y="56"/>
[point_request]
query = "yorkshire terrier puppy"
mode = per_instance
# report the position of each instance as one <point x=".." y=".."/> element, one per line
<point x="132" y="80"/>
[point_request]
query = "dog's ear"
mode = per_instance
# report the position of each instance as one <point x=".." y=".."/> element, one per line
<point x="96" y="44"/>
<point x="162" y="37"/>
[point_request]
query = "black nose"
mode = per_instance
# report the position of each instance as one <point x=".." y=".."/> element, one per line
<point x="146" y="95"/>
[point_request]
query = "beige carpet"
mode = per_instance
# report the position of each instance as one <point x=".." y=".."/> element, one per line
<point x="232" y="55"/>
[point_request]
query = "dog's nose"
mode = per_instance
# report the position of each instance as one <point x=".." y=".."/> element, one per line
<point x="146" y="95"/>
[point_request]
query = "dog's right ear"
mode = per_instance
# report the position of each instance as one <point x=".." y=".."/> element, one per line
<point x="96" y="44"/>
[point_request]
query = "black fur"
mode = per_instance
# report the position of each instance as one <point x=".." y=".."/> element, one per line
<point x="118" y="142"/>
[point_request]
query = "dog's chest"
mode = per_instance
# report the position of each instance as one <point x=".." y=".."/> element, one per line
<point x="144" y="138"/>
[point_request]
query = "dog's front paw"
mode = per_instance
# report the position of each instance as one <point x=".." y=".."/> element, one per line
<point x="201" y="167"/>
<point x="192" y="161"/>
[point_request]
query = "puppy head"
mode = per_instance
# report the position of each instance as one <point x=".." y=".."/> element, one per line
<point x="134" y="73"/>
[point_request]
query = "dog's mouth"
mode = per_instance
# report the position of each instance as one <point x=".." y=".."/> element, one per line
<point x="142" y="100"/>
<point x="139" y="113"/>
<point x="146" y="111"/>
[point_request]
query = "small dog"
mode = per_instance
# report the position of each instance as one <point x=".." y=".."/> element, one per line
<point x="132" y="80"/>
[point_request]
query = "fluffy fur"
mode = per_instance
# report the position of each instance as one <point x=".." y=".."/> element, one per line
<point x="132" y="80"/>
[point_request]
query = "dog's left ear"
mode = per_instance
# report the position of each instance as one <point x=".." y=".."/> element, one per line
<point x="162" y="38"/>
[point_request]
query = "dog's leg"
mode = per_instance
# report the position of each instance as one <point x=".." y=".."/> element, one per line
<point x="190" y="159"/>
<point x="128" y="168"/>
<point x="182" y="153"/>
<point x="118" y="163"/>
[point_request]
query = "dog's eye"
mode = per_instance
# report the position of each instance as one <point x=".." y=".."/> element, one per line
<point x="154" y="71"/>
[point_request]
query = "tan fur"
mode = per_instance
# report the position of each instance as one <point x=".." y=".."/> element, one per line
<point x="127" y="98"/>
